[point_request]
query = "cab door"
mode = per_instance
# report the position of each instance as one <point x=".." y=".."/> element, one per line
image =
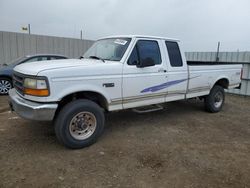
<point x="177" y="72"/>
<point x="144" y="85"/>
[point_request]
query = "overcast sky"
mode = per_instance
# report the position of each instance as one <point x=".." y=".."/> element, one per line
<point x="199" y="24"/>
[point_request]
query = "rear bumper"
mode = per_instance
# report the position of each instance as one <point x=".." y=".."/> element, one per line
<point x="233" y="86"/>
<point x="31" y="110"/>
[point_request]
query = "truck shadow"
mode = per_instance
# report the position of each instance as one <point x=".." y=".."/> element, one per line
<point x="115" y="121"/>
<point x="42" y="133"/>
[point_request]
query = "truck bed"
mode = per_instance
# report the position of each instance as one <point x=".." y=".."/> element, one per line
<point x="203" y="76"/>
<point x="193" y="63"/>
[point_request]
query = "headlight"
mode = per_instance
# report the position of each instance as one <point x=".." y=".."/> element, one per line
<point x="35" y="84"/>
<point x="36" y="87"/>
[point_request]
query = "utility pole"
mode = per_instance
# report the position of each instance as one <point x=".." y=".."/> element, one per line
<point x="81" y="34"/>
<point x="29" y="28"/>
<point x="217" y="54"/>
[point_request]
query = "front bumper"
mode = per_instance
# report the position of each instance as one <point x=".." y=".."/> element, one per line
<point x="31" y="110"/>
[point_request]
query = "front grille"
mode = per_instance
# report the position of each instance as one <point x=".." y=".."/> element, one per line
<point x="18" y="80"/>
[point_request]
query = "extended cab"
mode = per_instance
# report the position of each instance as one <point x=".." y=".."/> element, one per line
<point x="116" y="73"/>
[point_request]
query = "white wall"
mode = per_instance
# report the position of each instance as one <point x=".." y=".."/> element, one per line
<point x="14" y="45"/>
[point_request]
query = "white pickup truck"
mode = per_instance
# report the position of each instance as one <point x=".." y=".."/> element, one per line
<point x="116" y="73"/>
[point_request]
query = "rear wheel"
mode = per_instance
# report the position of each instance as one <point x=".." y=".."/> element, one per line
<point x="79" y="124"/>
<point x="5" y="85"/>
<point x="215" y="100"/>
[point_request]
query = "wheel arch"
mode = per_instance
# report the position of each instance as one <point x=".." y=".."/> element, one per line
<point x="223" y="82"/>
<point x="6" y="76"/>
<point x="94" y="96"/>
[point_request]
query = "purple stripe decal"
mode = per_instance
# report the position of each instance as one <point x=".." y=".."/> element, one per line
<point x="165" y="85"/>
<point x="162" y="86"/>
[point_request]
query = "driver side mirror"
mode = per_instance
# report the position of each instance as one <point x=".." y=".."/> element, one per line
<point x="148" y="62"/>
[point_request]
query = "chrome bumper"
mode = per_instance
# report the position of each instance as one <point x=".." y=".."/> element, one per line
<point x="31" y="110"/>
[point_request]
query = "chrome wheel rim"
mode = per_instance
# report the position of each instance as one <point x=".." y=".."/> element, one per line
<point x="82" y="125"/>
<point x="218" y="99"/>
<point x="5" y="86"/>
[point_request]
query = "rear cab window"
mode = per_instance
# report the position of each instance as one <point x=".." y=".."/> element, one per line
<point x="174" y="54"/>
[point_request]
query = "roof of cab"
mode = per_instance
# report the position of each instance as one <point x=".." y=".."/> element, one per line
<point x="35" y="55"/>
<point x="141" y="36"/>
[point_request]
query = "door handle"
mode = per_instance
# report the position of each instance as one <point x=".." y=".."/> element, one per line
<point x="162" y="70"/>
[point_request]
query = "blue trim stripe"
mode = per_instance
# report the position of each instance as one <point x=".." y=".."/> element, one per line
<point x="165" y="85"/>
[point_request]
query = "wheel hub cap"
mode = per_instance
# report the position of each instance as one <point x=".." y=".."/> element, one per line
<point x="82" y="125"/>
<point x="5" y="86"/>
<point x="218" y="99"/>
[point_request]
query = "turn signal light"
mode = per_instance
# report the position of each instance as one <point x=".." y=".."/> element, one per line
<point x="37" y="92"/>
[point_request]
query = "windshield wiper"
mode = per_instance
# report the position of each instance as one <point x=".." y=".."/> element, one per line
<point x="95" y="57"/>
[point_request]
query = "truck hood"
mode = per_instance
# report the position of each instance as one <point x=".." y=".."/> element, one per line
<point x="35" y="67"/>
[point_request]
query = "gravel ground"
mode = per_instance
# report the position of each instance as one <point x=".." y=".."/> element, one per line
<point x="180" y="146"/>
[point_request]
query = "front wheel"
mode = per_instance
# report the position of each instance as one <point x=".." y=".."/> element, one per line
<point x="79" y="124"/>
<point x="215" y="100"/>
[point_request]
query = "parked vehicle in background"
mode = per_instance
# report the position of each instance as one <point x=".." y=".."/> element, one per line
<point x="116" y="73"/>
<point x="6" y="71"/>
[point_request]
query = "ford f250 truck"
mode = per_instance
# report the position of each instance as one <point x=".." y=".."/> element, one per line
<point x="116" y="73"/>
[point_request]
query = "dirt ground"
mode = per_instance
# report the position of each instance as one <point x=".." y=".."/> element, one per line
<point x="180" y="146"/>
<point x="3" y="103"/>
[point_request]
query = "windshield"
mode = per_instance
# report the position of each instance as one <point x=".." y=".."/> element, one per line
<point x="111" y="49"/>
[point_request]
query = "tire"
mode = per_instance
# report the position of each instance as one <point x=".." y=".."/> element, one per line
<point x="215" y="100"/>
<point x="79" y="124"/>
<point x="5" y="85"/>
